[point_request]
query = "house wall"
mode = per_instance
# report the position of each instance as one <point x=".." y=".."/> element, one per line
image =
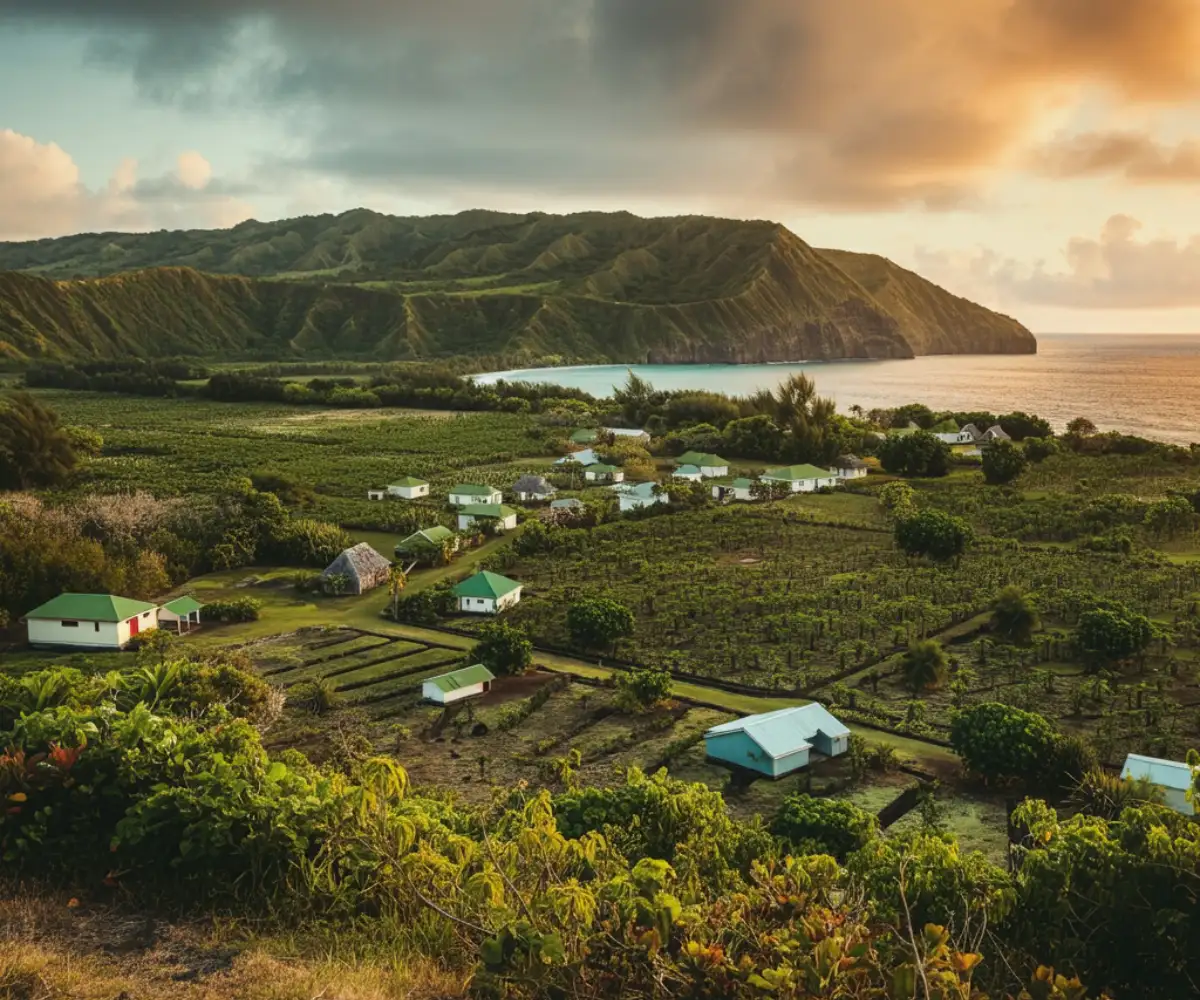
<point x="409" y="492"/>
<point x="477" y="605"/>
<point x="690" y="478"/>
<point x="509" y="599"/>
<point x="1176" y="799"/>
<point x="431" y="692"/>
<point x="739" y="749"/>
<point x="852" y="473"/>
<point x="95" y="635"/>
<point x="830" y="746"/>
<point x="637" y="503"/>
<point x="462" y="499"/>
<point x="714" y="471"/>
<point x="788" y="763"/>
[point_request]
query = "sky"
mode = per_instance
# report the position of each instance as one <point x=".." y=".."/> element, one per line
<point x="1039" y="156"/>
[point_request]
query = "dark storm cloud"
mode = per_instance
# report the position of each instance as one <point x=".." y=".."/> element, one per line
<point x="848" y="103"/>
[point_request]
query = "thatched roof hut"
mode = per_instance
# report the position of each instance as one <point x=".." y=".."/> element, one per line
<point x="532" y="487"/>
<point x="363" y="567"/>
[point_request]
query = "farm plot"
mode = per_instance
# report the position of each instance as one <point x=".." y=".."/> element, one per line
<point x="761" y="596"/>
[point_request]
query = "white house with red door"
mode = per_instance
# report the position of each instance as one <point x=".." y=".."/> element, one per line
<point x="89" y="621"/>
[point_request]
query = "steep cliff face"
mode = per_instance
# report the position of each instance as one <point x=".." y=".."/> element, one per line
<point x="593" y="286"/>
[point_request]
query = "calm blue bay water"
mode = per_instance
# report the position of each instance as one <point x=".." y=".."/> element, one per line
<point x="1147" y="385"/>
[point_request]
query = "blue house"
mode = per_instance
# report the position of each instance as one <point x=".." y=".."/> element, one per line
<point x="777" y="743"/>
<point x="1173" y="778"/>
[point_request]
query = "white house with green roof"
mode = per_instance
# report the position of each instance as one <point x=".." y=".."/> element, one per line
<point x="182" y="614"/>
<point x="498" y="515"/>
<point x="469" y="682"/>
<point x="429" y="545"/>
<point x="690" y="473"/>
<point x="802" y="478"/>
<point x="408" y="488"/>
<point x="90" y="621"/>
<point x="734" y="489"/>
<point x="601" y="473"/>
<point x="487" y="593"/>
<point x="469" y="493"/>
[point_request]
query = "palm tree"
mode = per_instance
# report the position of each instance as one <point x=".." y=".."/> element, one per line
<point x="396" y="583"/>
<point x="924" y="666"/>
<point x="1014" y="618"/>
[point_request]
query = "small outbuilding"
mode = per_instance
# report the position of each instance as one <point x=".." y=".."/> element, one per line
<point x="849" y="467"/>
<point x="429" y="545"/>
<point x="91" y="621"/>
<point x="377" y="494"/>
<point x="710" y="466"/>
<point x="689" y="472"/>
<point x="585" y="458"/>
<point x="532" y="487"/>
<point x="629" y="433"/>
<point x="470" y="493"/>
<point x="458" y="685"/>
<point x="181" y="614"/>
<point x="802" y="478"/>
<point x="487" y="593"/>
<point x="734" y="489"/>
<point x="1173" y="778"/>
<point x="502" y="517"/>
<point x="601" y="473"/>
<point x="640" y="495"/>
<point x="996" y="433"/>
<point x="409" y="488"/>
<point x="363" y="567"/>
<point x="777" y="743"/>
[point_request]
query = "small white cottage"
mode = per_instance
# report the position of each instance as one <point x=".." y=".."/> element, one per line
<point x="849" y="467"/>
<point x="802" y="478"/>
<point x="502" y="517"/>
<point x="737" y="489"/>
<point x="91" y="621"/>
<point x="689" y="473"/>
<point x="532" y="487"/>
<point x="601" y="473"/>
<point x="460" y="496"/>
<point x="458" y="685"/>
<point x="409" y="488"/>
<point x="487" y="593"/>
<point x="1171" y="777"/>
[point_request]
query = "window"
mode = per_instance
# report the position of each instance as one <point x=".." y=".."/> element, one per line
<point x="145" y="614"/>
<point x="97" y="625"/>
<point x="69" y="624"/>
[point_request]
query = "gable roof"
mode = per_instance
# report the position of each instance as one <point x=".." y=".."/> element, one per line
<point x="710" y="461"/>
<point x="850" y="462"/>
<point x="785" y="730"/>
<point x="433" y="536"/>
<point x="742" y="483"/>
<point x="183" y="605"/>
<point x="409" y="481"/>
<point x="530" y="483"/>
<point x="91" y="608"/>
<point x="626" y="431"/>
<point x="472" y="490"/>
<point x="601" y="469"/>
<point x="1164" y="773"/>
<point x="466" y="677"/>
<point x="643" y="490"/>
<point x="791" y="473"/>
<point x="361" y="563"/>
<point x="485" y="584"/>
<point x="487" y="510"/>
<point x="997" y="431"/>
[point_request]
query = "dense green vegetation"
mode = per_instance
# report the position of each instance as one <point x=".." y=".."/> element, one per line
<point x="588" y="287"/>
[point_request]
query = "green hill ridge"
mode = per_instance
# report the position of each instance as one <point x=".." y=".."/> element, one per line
<point x="592" y="286"/>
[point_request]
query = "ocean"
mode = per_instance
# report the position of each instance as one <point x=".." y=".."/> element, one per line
<point x="1138" y="384"/>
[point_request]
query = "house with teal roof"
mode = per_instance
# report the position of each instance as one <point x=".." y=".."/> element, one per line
<point x="689" y="473"/>
<point x="487" y="593"/>
<point x="89" y="621"/>
<point x="777" y="743"/>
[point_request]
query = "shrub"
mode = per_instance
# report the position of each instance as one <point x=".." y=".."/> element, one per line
<point x="242" y="609"/>
<point x="1111" y="634"/>
<point x="999" y="742"/>
<point x="809" y="825"/>
<point x="1014" y="618"/>
<point x="918" y="454"/>
<point x="1003" y="462"/>
<point x="642" y="688"/>
<point x="598" y="622"/>
<point x="503" y="648"/>
<point x="924" y="665"/>
<point x="317" y="696"/>
<point x="933" y="533"/>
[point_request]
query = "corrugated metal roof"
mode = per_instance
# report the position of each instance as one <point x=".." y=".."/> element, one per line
<point x="466" y="677"/>
<point x="91" y="608"/>
<point x="1164" y="773"/>
<point x="486" y="584"/>
<point x="786" y="730"/>
<point x="183" y="605"/>
<point x="794" y="473"/>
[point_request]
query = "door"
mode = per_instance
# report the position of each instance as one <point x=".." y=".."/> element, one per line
<point x="133" y="626"/>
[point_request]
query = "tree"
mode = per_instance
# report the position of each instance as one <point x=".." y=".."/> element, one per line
<point x="809" y="825"/>
<point x="1040" y="449"/>
<point x="1000" y="742"/>
<point x="35" y="450"/>
<point x="917" y="454"/>
<point x="1111" y="634"/>
<point x="753" y="437"/>
<point x="598" y="622"/>
<point x="1020" y="425"/>
<point x="1003" y="462"/>
<point x="898" y="499"/>
<point x="1014" y="617"/>
<point x="397" y="580"/>
<point x="641" y="689"/>
<point x="1170" y="517"/>
<point x="933" y="533"/>
<point x="1081" y="427"/>
<point x="503" y="648"/>
<point x="924" y="666"/>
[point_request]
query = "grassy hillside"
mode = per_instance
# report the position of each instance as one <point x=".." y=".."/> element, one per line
<point x="594" y="286"/>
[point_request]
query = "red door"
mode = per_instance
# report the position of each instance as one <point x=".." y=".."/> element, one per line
<point x="133" y="626"/>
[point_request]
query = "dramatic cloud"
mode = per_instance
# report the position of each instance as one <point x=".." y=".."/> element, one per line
<point x="41" y="194"/>
<point x="847" y="104"/>
<point x="1135" y="156"/>
<point x="1114" y="271"/>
